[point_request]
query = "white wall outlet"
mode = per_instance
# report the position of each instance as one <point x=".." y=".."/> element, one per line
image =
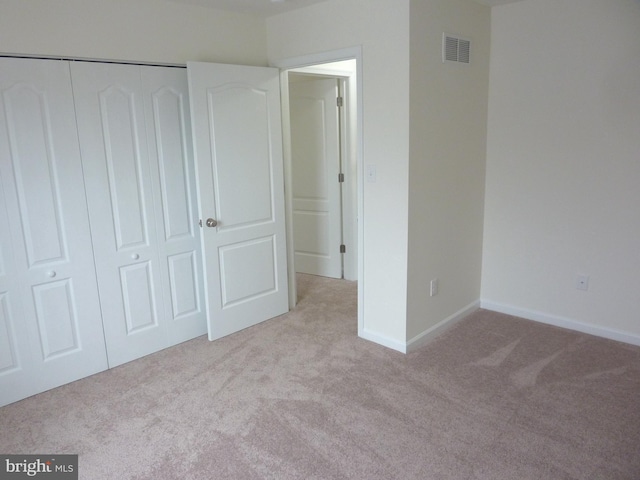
<point x="582" y="282"/>
<point x="433" y="287"/>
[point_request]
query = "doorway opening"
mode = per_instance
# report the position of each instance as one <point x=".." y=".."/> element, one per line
<point x="316" y="113"/>
<point x="324" y="193"/>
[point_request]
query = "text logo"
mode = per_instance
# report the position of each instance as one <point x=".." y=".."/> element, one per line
<point x="51" y="467"/>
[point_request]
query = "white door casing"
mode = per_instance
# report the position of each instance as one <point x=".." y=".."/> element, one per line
<point x="315" y="151"/>
<point x="50" y="323"/>
<point x="345" y="64"/>
<point x="133" y="129"/>
<point x="238" y="154"/>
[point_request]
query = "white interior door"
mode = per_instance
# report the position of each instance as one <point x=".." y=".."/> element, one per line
<point x="50" y="322"/>
<point x="315" y="152"/>
<point x="238" y="149"/>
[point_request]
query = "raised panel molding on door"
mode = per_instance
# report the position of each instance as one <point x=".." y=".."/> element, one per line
<point x="238" y="148"/>
<point x="134" y="135"/>
<point x="49" y="308"/>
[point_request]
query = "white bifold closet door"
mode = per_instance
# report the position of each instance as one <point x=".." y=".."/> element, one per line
<point x="101" y="254"/>
<point x="50" y="322"/>
<point x="135" y="139"/>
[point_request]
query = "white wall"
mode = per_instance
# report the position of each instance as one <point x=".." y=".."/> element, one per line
<point x="381" y="28"/>
<point x="133" y="30"/>
<point x="447" y="167"/>
<point x="563" y="164"/>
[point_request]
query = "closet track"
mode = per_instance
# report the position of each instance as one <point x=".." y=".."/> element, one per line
<point x="93" y="60"/>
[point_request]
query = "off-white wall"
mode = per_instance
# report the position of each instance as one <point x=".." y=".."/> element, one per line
<point x="381" y="28"/>
<point x="133" y="30"/>
<point x="447" y="166"/>
<point x="563" y="167"/>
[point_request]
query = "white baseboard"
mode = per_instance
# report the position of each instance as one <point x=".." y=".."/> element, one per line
<point x="562" y="322"/>
<point x="384" y="341"/>
<point x="431" y="333"/>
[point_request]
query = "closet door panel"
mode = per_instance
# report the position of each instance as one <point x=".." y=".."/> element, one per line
<point x="119" y="177"/>
<point x="45" y="207"/>
<point x="139" y="300"/>
<point x="184" y="285"/>
<point x="169" y="133"/>
<point x="33" y="158"/>
<point x="8" y="347"/>
<point x="18" y="375"/>
<point x="126" y="165"/>
<point x="173" y="160"/>
<point x="57" y="319"/>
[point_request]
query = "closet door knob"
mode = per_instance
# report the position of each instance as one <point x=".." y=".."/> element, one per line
<point x="211" y="222"/>
<point x="135" y="256"/>
<point x="51" y="273"/>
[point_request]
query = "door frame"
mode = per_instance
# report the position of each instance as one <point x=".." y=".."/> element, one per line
<point x="306" y="61"/>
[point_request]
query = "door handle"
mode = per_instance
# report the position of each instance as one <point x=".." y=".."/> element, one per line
<point x="211" y="222"/>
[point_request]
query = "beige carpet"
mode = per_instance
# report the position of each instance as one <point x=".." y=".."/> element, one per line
<point x="301" y="397"/>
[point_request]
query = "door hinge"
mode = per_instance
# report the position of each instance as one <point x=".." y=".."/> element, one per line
<point x="340" y="101"/>
<point x="341" y="178"/>
<point x="200" y="223"/>
<point x="343" y="249"/>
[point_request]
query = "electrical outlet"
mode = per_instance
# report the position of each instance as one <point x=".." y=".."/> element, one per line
<point x="433" y="287"/>
<point x="582" y="282"/>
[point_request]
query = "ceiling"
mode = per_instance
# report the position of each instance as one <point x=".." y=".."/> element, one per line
<point x="266" y="8"/>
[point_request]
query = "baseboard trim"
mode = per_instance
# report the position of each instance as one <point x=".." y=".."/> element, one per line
<point x="431" y="333"/>
<point x="562" y="322"/>
<point x="384" y="341"/>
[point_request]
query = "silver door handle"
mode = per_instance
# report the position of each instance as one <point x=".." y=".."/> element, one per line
<point x="211" y="222"/>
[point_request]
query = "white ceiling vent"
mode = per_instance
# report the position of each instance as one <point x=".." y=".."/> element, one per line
<point x="455" y="49"/>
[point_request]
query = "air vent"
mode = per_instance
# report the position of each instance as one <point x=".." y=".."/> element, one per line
<point x="455" y="49"/>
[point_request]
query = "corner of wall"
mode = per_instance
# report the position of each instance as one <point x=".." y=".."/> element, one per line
<point x="447" y="161"/>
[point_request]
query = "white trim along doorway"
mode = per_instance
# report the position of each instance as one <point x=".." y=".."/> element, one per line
<point x="346" y="66"/>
